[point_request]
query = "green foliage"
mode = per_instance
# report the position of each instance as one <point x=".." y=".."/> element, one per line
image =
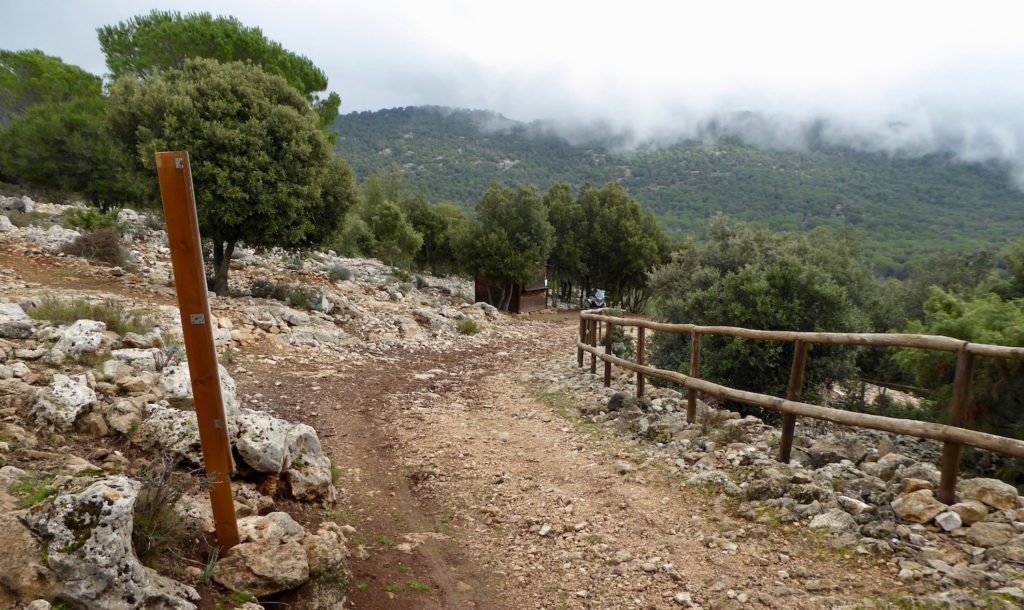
<point x="299" y="297"/>
<point x="510" y="242"/>
<point x="156" y="522"/>
<point x="997" y="397"/>
<point x="303" y="297"/>
<point x="33" y="489"/>
<point x="340" y="273"/>
<point x="757" y="279"/>
<point x="102" y="245"/>
<point x="468" y="327"/>
<point x="91" y="219"/>
<point x="267" y="289"/>
<point x="240" y="598"/>
<point x="907" y="208"/>
<point x="66" y="148"/>
<point x="31" y="77"/>
<point x="263" y="172"/>
<point x="114" y="314"/>
<point x="145" y="45"/>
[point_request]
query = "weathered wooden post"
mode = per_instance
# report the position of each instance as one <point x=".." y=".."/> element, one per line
<point x="582" y="338"/>
<point x="593" y="343"/>
<point x="691" y="394"/>
<point x="608" y="351"/>
<point x="957" y="417"/>
<point x="793" y="392"/>
<point x="640" y="360"/>
<point x="175" y="176"/>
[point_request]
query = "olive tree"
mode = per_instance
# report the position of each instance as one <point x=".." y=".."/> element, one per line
<point x="263" y="169"/>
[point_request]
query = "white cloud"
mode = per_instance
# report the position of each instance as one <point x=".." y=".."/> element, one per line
<point x="949" y="73"/>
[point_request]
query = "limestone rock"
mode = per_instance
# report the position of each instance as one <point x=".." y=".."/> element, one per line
<point x="988" y="534"/>
<point x="262" y="441"/>
<point x="270" y="558"/>
<point x="309" y="472"/>
<point x="970" y="511"/>
<point x="176" y="384"/>
<point x="14" y="323"/>
<point x="948" y="521"/>
<point x="83" y="336"/>
<point x="829" y="449"/>
<point x="834" y="519"/>
<point x="124" y="416"/>
<point x="1011" y="551"/>
<point x="172" y="430"/>
<point x="992" y="492"/>
<point x="141" y="359"/>
<point x="59" y="404"/>
<point x="5" y="225"/>
<point x="918" y="506"/>
<point x="21" y="569"/>
<point x="88" y="538"/>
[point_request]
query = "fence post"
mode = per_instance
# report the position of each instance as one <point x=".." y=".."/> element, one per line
<point x="957" y="417"/>
<point x="640" y="360"/>
<point x="691" y="394"/>
<point x="793" y="392"/>
<point x="593" y="343"/>
<point x="608" y="351"/>
<point x="582" y="338"/>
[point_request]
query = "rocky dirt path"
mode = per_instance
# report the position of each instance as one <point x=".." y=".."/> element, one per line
<point x="470" y="487"/>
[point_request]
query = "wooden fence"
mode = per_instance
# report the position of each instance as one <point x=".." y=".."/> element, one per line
<point x="953" y="434"/>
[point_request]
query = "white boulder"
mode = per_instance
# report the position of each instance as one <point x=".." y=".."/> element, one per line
<point x="59" y="404"/>
<point x="83" y="336"/>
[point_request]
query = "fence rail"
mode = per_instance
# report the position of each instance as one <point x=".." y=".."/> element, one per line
<point x="953" y="434"/>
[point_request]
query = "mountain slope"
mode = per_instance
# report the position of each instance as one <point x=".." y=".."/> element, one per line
<point x="906" y="207"/>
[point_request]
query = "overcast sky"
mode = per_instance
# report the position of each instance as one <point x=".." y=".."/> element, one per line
<point x="952" y="73"/>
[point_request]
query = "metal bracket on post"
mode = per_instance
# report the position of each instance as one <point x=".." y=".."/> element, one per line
<point x="179" y="203"/>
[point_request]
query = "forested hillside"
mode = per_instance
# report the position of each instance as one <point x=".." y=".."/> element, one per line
<point x="906" y="208"/>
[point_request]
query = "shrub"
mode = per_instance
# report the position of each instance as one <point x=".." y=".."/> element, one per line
<point x="92" y="219"/>
<point x="400" y="275"/>
<point x="114" y="314"/>
<point x="421" y="282"/>
<point x="405" y="288"/>
<point x="266" y="289"/>
<point x="468" y="327"/>
<point x="103" y="245"/>
<point x="156" y="523"/>
<point x="28" y="219"/>
<point x="340" y="273"/>
<point x="303" y="297"/>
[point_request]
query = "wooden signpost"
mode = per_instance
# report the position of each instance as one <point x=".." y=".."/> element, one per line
<point x="179" y="203"/>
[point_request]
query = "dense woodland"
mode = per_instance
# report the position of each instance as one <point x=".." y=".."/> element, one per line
<point x="823" y="239"/>
<point x="907" y="208"/>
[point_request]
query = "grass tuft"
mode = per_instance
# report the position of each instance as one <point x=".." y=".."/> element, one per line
<point x="112" y="313"/>
<point x="468" y="327"/>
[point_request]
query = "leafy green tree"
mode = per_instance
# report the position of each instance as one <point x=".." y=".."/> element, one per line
<point x="511" y="241"/>
<point x="144" y="46"/>
<point x="755" y="279"/>
<point x="263" y="170"/>
<point x="31" y="77"/>
<point x="67" y="148"/>
<point x="622" y="243"/>
<point x="566" y="215"/>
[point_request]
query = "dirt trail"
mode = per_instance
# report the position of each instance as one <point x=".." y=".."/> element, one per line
<point x="472" y="488"/>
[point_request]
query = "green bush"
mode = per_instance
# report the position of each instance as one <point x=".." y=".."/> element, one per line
<point x="114" y="314"/>
<point x="303" y="297"/>
<point x="92" y="219"/>
<point x="340" y="273"/>
<point x="157" y="524"/>
<point x="266" y="289"/>
<point x="405" y="288"/>
<point x="468" y="327"/>
<point x="421" y="282"/>
<point x="761" y="280"/>
<point x="102" y="245"/>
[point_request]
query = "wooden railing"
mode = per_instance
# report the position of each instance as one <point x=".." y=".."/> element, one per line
<point x="953" y="434"/>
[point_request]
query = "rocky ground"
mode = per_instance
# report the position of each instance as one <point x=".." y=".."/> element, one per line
<point x="387" y="460"/>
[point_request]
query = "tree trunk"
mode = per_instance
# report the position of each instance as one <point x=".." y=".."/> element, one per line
<point x="506" y="297"/>
<point x="221" y="263"/>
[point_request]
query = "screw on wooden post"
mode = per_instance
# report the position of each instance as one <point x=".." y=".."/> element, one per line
<point x="608" y="350"/>
<point x="691" y="394"/>
<point x="640" y="360"/>
<point x="793" y="392"/>
<point x="583" y="338"/>
<point x="175" y="176"/>
<point x="957" y="417"/>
